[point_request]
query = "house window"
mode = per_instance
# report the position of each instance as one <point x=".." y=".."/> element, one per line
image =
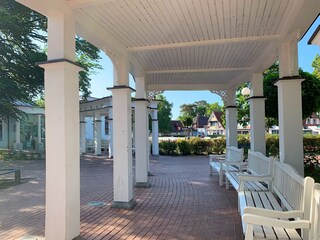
<point x="1" y="130"/>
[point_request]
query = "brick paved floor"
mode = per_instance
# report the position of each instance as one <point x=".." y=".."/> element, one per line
<point x="184" y="202"/>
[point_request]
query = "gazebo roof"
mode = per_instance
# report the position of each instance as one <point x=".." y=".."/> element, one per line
<point x="189" y="44"/>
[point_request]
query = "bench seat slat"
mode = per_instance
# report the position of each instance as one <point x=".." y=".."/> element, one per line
<point x="280" y="232"/>
<point x="265" y="200"/>
<point x="267" y="230"/>
<point x="233" y="178"/>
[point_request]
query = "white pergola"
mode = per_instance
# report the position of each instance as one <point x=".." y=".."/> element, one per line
<point x="166" y="45"/>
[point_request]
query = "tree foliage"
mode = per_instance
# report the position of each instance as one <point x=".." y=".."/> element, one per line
<point x="310" y="90"/>
<point x="213" y="107"/>
<point x="22" y="32"/>
<point x="164" y="114"/>
<point x="242" y="106"/>
<point x="202" y="108"/>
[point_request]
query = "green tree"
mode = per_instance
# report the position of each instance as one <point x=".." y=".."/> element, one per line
<point x="243" y="106"/>
<point x="310" y="89"/>
<point x="213" y="107"/>
<point x="22" y="32"/>
<point x="164" y="114"/>
<point x="188" y="110"/>
<point x="186" y="120"/>
<point x="316" y="65"/>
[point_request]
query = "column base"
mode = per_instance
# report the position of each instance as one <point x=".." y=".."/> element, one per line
<point x="124" y="205"/>
<point x="142" y="184"/>
<point x="17" y="146"/>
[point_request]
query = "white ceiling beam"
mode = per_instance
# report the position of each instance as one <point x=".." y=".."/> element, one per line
<point x="198" y="70"/>
<point x="76" y="4"/>
<point x="174" y="87"/>
<point x="202" y="43"/>
<point x="47" y="8"/>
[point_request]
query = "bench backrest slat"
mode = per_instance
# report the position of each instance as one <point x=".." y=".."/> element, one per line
<point x="259" y="164"/>
<point x="234" y="154"/>
<point x="316" y="212"/>
<point x="294" y="191"/>
<point x="289" y="186"/>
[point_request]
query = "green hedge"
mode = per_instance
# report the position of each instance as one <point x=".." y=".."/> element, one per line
<point x="196" y="146"/>
<point x="199" y="146"/>
<point x="217" y="145"/>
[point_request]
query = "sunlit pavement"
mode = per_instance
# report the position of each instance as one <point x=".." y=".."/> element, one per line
<point x="184" y="202"/>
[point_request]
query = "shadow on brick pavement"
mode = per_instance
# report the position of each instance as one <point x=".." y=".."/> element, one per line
<point x="184" y="202"/>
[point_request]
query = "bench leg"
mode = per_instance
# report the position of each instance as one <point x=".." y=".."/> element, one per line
<point x="227" y="183"/>
<point x="210" y="170"/>
<point x="220" y="177"/>
<point x="17" y="176"/>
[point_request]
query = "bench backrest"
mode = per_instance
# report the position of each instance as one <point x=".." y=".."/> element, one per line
<point x="234" y="154"/>
<point x="294" y="191"/>
<point x="316" y="212"/>
<point x="259" y="164"/>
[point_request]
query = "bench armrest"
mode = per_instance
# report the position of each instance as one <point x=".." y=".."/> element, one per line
<point x="211" y="156"/>
<point x="251" y="219"/>
<point x="273" y="213"/>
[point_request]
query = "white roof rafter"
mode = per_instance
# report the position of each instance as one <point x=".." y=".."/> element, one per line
<point x="198" y="70"/>
<point x="205" y="42"/>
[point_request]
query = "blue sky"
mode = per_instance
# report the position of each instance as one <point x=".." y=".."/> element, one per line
<point x="103" y="79"/>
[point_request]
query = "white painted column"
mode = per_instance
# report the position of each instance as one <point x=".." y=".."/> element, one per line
<point x="290" y="107"/>
<point x="155" y="133"/>
<point x="257" y="115"/>
<point x="110" y="122"/>
<point x="97" y="133"/>
<point x="122" y="143"/>
<point x="231" y="126"/>
<point x="82" y="134"/>
<point x="18" y="145"/>
<point x="231" y="119"/>
<point x="62" y="131"/>
<point x="141" y="134"/>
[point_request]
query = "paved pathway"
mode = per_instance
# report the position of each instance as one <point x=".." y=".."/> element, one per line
<point x="184" y="202"/>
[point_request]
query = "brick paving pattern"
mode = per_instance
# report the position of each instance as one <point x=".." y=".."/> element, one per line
<point x="184" y="202"/>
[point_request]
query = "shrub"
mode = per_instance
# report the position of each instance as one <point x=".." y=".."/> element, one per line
<point x="272" y="145"/>
<point x="218" y="145"/>
<point x="168" y="147"/>
<point x="312" y="166"/>
<point x="311" y="143"/>
<point x="244" y="142"/>
<point x="184" y="147"/>
<point x="198" y="146"/>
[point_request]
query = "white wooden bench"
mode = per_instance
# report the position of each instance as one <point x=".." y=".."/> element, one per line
<point x="233" y="160"/>
<point x="316" y="212"/>
<point x="257" y="176"/>
<point x="279" y="213"/>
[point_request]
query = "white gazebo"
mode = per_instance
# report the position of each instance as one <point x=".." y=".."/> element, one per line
<point x="166" y="45"/>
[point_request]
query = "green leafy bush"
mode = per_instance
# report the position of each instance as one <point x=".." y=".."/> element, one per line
<point x="311" y="143"/>
<point x="199" y="146"/>
<point x="218" y="145"/>
<point x="168" y="148"/>
<point x="244" y="142"/>
<point x="272" y="145"/>
<point x="184" y="147"/>
<point x="312" y="166"/>
<point x="8" y="155"/>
